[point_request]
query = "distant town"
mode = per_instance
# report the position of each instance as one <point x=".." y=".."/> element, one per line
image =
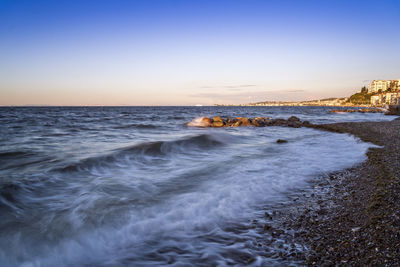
<point x="379" y="93"/>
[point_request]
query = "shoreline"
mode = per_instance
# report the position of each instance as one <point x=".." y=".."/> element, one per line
<point x="350" y="217"/>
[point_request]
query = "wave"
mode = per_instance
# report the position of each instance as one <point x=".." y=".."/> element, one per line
<point x="153" y="149"/>
<point x="176" y="118"/>
<point x="16" y="158"/>
<point x="13" y="154"/>
<point x="203" y="141"/>
<point x="22" y="159"/>
<point x="137" y="126"/>
<point x="8" y="192"/>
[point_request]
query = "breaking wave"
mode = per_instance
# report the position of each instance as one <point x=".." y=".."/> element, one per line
<point x="189" y="144"/>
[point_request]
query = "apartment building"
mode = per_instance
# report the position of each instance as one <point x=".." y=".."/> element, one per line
<point x="383" y="85"/>
<point x="376" y="100"/>
<point x="377" y="85"/>
<point x="389" y="98"/>
<point x="395" y="85"/>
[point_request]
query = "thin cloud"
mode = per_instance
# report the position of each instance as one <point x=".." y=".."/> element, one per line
<point x="229" y="86"/>
<point x="293" y="91"/>
<point x="244" y="94"/>
<point x="247" y="85"/>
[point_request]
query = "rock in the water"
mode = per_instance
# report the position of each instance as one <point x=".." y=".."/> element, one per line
<point x="236" y="124"/>
<point x="278" y="122"/>
<point x="266" y="119"/>
<point x="217" y="119"/>
<point x="294" y="124"/>
<point x="260" y="121"/>
<point x="256" y="123"/>
<point x="281" y="141"/>
<point x="206" y="121"/>
<point x="218" y="124"/>
<point x="200" y="122"/>
<point x="229" y="122"/>
<point x="294" y="119"/>
<point x="242" y="122"/>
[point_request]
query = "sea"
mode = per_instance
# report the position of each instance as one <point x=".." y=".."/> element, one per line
<point x="135" y="186"/>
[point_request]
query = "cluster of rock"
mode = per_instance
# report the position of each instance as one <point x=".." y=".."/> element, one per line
<point x="217" y="121"/>
<point x="364" y="110"/>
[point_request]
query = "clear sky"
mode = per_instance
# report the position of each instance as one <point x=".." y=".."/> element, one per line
<point x="189" y="52"/>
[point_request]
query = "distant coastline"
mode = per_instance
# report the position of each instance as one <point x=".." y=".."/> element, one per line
<point x="295" y="104"/>
<point x="379" y="94"/>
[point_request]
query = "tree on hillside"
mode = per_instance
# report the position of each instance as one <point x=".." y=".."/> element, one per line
<point x="364" y="90"/>
<point x="360" y="98"/>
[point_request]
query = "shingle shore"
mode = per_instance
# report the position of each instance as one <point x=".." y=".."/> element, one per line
<point x="346" y="218"/>
<point x="357" y="223"/>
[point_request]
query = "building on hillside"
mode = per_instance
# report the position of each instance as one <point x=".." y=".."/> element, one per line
<point x="388" y="98"/>
<point x="391" y="98"/>
<point x="377" y="85"/>
<point x="375" y="100"/>
<point x="394" y="85"/>
<point x="383" y="85"/>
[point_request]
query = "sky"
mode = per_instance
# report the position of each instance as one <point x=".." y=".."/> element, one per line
<point x="172" y="52"/>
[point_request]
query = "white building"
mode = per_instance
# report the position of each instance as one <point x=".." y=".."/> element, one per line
<point x="377" y="85"/>
<point x="391" y="98"/>
<point x="376" y="100"/>
<point x="383" y="85"/>
<point x="395" y="85"/>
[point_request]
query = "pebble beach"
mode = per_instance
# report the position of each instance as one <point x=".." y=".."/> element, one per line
<point x="352" y="217"/>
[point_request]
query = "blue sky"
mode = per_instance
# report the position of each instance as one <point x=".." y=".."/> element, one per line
<point x="193" y="52"/>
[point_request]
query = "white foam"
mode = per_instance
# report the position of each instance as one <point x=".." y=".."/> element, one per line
<point x="142" y="207"/>
<point x="198" y="122"/>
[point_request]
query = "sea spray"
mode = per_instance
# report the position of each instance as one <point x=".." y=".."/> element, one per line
<point x="199" y="122"/>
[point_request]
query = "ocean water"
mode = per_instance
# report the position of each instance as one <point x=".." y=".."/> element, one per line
<point x="134" y="186"/>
